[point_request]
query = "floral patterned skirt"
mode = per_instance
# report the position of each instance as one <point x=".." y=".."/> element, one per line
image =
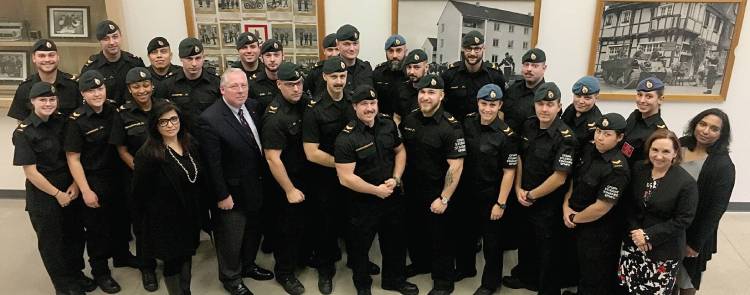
<point x="641" y="275"/>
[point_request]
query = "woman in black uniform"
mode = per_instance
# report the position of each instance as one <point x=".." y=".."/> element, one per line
<point x="168" y="182"/>
<point x="645" y="119"/>
<point x="51" y="195"/>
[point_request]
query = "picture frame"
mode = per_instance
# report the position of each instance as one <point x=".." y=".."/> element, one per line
<point x="68" y="21"/>
<point x="688" y="44"/>
<point x="14" y="66"/>
<point x="260" y="31"/>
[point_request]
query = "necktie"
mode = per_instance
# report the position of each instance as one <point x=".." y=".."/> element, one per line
<point x="246" y="125"/>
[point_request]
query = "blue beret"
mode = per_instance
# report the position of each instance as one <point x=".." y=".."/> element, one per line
<point x="650" y="84"/>
<point x="586" y="85"/>
<point x="490" y="92"/>
<point x="394" y="40"/>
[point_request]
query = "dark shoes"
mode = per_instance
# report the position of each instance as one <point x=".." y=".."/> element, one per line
<point x="364" y="292"/>
<point x="516" y="283"/>
<point x="373" y="270"/>
<point x="460" y="275"/>
<point x="107" y="284"/>
<point x="405" y="288"/>
<point x="439" y="292"/>
<point x="150" y="283"/>
<point x="291" y="285"/>
<point x="125" y="261"/>
<point x="325" y="285"/>
<point x="239" y="289"/>
<point x="413" y="270"/>
<point x="87" y="284"/>
<point x="484" y="291"/>
<point x="256" y="273"/>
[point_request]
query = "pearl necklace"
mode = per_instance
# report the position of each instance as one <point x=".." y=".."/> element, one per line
<point x="195" y="167"/>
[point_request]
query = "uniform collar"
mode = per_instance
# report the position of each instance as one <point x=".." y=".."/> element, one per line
<point x="551" y="130"/>
<point x="88" y="111"/>
<point x="34" y="120"/>
<point x="495" y="125"/>
<point x="437" y="116"/>
<point x="132" y="106"/>
<point x="610" y="154"/>
<point x="650" y="121"/>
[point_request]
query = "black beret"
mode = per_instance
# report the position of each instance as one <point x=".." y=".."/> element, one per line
<point x="42" y="89"/>
<point x="431" y="81"/>
<point x="611" y="121"/>
<point x="271" y="45"/>
<point x="90" y="79"/>
<point x="288" y="72"/>
<point x="334" y="64"/>
<point x="363" y="92"/>
<point x="44" y="45"/>
<point x="347" y="32"/>
<point x="244" y="39"/>
<point x="534" y="55"/>
<point x="547" y="91"/>
<point x="105" y="28"/>
<point x="156" y="43"/>
<point x="415" y="56"/>
<point x="329" y="40"/>
<point x="137" y="74"/>
<point x="190" y="47"/>
<point x="472" y="38"/>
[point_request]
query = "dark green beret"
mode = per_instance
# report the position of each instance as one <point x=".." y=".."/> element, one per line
<point x="490" y="92"/>
<point x="534" y="55"/>
<point x="105" y="28"/>
<point x="547" y="91"/>
<point x="190" y="46"/>
<point x="329" y="40"/>
<point x="137" y="74"/>
<point x="363" y="92"/>
<point x="611" y="121"/>
<point x="42" y="89"/>
<point x="271" y="45"/>
<point x="334" y="64"/>
<point x="244" y="39"/>
<point x="650" y="84"/>
<point x="431" y="81"/>
<point x="472" y="38"/>
<point x="347" y="32"/>
<point x="586" y="86"/>
<point x="415" y="56"/>
<point x="90" y="79"/>
<point x="156" y="43"/>
<point x="44" y="45"/>
<point x="288" y="72"/>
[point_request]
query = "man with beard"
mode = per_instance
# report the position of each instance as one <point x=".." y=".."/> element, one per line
<point x="359" y="72"/>
<point x="249" y="51"/>
<point x="160" y="56"/>
<point x="112" y="62"/>
<point x="518" y="104"/>
<point x="314" y="83"/>
<point x="46" y="61"/>
<point x="464" y="78"/>
<point x="263" y="83"/>
<point x="389" y="74"/>
<point x="415" y="67"/>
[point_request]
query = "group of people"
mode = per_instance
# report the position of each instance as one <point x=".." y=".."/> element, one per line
<point x="436" y="164"/>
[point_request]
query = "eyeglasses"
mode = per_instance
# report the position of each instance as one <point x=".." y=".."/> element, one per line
<point x="174" y="120"/>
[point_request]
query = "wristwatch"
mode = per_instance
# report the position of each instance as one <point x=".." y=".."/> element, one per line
<point x="501" y="205"/>
<point x="444" y="200"/>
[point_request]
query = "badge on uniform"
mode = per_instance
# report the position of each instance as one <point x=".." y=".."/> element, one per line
<point x="533" y="56"/>
<point x="142" y="74"/>
<point x="111" y="27"/>
<point x="343" y="66"/>
<point x="197" y="49"/>
<point x="160" y="43"/>
<point x="433" y="82"/>
<point x="627" y="149"/>
<point x="476" y="40"/>
<point x="398" y="42"/>
<point x="49" y="45"/>
<point x="649" y="85"/>
<point x="97" y="81"/>
<point x="585" y="90"/>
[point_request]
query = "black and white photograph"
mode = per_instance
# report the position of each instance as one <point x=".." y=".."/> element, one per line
<point x="260" y="31"/>
<point x="438" y="26"/>
<point x="68" y="22"/>
<point x="283" y="33"/>
<point x="307" y="61"/>
<point x="229" y="5"/>
<point x="230" y="59"/>
<point x="686" y="45"/>
<point x="13" y="66"/>
<point x="305" y="7"/>
<point x="212" y="61"/>
<point x="278" y="5"/>
<point x="306" y="36"/>
<point x="204" y="6"/>
<point x="209" y="35"/>
<point x="253" y="6"/>
<point x="229" y="32"/>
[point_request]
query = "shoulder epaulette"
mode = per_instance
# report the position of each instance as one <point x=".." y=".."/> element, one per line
<point x="661" y="126"/>
<point x="591" y="125"/>
<point x="508" y="131"/>
<point x="450" y="118"/>
<point x="272" y="109"/>
<point x="74" y="115"/>
<point x="616" y="163"/>
<point x="311" y="103"/>
<point x="21" y="126"/>
<point x="566" y="132"/>
<point x="414" y="110"/>
<point x="349" y="127"/>
<point x="454" y="64"/>
<point x="471" y="115"/>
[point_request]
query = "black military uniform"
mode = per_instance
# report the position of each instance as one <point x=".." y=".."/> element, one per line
<point x="584" y="124"/>
<point x="156" y="78"/>
<point x="638" y="128"/>
<point x="242" y="40"/>
<point x="59" y="230"/>
<point x="387" y="76"/>
<point x="406" y="90"/>
<point x="262" y="88"/>
<point x="360" y="73"/>
<point x="429" y="142"/>
<point x="518" y="103"/>
<point x="68" y="96"/>
<point x="314" y="83"/>
<point x="490" y="148"/>
<point x="599" y="176"/>
<point x="373" y="151"/>
<point x="192" y="96"/>
<point x="113" y="72"/>
<point x="461" y="86"/>
<point x="544" y="151"/>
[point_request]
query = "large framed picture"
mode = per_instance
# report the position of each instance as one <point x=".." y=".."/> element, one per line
<point x="510" y="28"/>
<point x="68" y="22"/>
<point x="688" y="44"/>
<point x="13" y="66"/>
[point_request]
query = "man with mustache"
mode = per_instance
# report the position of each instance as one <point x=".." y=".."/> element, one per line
<point x="464" y="78"/>
<point x="46" y="61"/>
<point x="263" y="83"/>
<point x="389" y="74"/>
<point x="248" y="49"/>
<point x="112" y="62"/>
<point x="415" y="67"/>
<point x="314" y="83"/>
<point x="160" y="56"/>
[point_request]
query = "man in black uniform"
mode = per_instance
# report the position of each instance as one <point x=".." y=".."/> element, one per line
<point x="248" y="49"/>
<point x="160" y="56"/>
<point x="435" y="147"/>
<point x="370" y="161"/>
<point x="92" y="162"/>
<point x="359" y="72"/>
<point x="112" y="62"/>
<point x="46" y="61"/>
<point x="262" y="85"/>
<point x="282" y="145"/>
<point x="582" y="113"/>
<point x="547" y="154"/>
<point x="314" y="83"/>
<point x="194" y="88"/>
<point x="389" y="74"/>
<point x="600" y="178"/>
<point x="415" y="67"/>
<point x="518" y="103"/>
<point x="464" y="77"/>
<point x="644" y="120"/>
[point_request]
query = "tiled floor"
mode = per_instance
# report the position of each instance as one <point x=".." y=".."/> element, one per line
<point x="21" y="271"/>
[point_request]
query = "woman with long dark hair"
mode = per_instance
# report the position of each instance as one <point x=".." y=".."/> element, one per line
<point x="706" y="157"/>
<point x="167" y="186"/>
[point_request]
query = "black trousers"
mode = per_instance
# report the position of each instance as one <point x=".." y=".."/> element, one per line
<point x="386" y="219"/>
<point x="145" y="264"/>
<point x="598" y="246"/>
<point x="493" y="233"/>
<point x="237" y="235"/>
<point x="329" y="212"/>
<point x="98" y="222"/>
<point x="468" y="229"/>
<point x="527" y="269"/>
<point x="121" y="214"/>
<point x="430" y="240"/>
<point x="292" y="223"/>
<point x="547" y="228"/>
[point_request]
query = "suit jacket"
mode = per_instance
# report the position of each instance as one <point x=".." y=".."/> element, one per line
<point x="232" y="157"/>
<point x="667" y="214"/>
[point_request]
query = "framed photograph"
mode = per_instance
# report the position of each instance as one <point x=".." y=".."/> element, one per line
<point x="689" y="45"/>
<point x="306" y="36"/>
<point x="68" y="22"/>
<point x="214" y="62"/>
<point x="13" y="66"/>
<point x="283" y="33"/>
<point x="209" y="35"/>
<point x="230" y="59"/>
<point x="260" y="30"/>
<point x="229" y="32"/>
<point x="229" y="5"/>
<point x="204" y="6"/>
<point x="509" y="28"/>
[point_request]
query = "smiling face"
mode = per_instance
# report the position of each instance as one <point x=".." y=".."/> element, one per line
<point x="662" y="153"/>
<point x="141" y="91"/>
<point x="95" y="97"/>
<point x="366" y="111"/>
<point x="249" y="53"/>
<point x="44" y="106"/>
<point x="429" y="100"/>
<point x="546" y="110"/>
<point x="45" y="61"/>
<point x="488" y="109"/>
<point x="169" y="124"/>
<point x="473" y="54"/>
<point x="708" y="130"/>
<point x="111" y="43"/>
<point x="584" y="103"/>
<point x="234" y="89"/>
<point x="348" y="50"/>
<point x="648" y="102"/>
<point x="160" y="57"/>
